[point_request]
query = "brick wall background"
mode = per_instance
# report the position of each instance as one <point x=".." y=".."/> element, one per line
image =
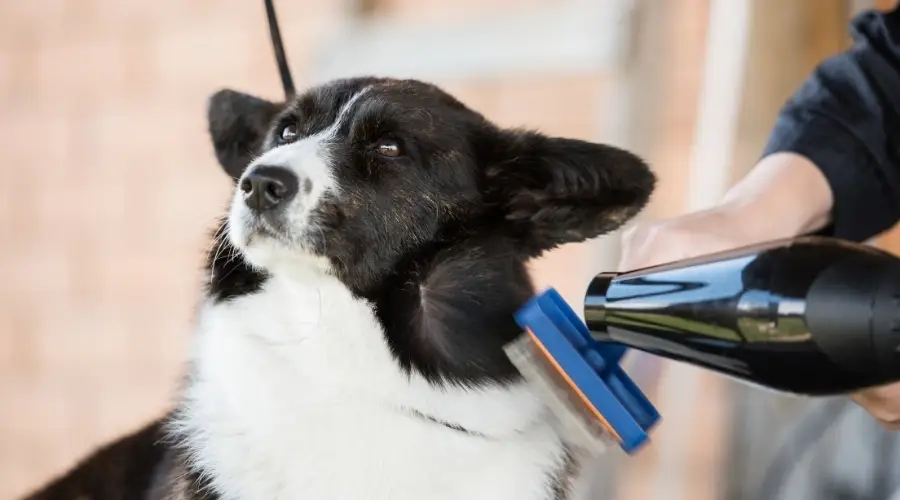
<point x="110" y="190"/>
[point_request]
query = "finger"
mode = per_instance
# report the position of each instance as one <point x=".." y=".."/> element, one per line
<point x="881" y="408"/>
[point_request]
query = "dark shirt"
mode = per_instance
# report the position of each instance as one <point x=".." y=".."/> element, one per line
<point x="846" y="119"/>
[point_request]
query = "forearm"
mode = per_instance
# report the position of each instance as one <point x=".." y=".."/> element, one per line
<point x="784" y="195"/>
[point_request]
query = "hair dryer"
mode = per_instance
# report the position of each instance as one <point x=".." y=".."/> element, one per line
<point x="813" y="316"/>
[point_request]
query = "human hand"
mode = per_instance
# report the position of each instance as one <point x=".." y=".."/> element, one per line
<point x="783" y="195"/>
<point x="883" y="403"/>
<point x="652" y="243"/>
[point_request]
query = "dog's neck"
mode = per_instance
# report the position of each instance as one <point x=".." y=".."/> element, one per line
<point x="294" y="393"/>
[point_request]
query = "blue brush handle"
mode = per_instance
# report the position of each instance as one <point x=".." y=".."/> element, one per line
<point x="592" y="366"/>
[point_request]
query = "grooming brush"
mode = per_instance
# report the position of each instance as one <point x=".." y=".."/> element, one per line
<point x="594" y="401"/>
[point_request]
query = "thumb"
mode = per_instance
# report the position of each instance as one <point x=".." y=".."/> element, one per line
<point x="633" y="248"/>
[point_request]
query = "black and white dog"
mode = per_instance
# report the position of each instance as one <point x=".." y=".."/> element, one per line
<point x="362" y="287"/>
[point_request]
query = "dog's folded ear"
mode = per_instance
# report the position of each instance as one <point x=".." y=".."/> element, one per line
<point x="552" y="191"/>
<point x="238" y="123"/>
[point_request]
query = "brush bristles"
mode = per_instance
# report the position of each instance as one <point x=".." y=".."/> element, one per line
<point x="577" y="425"/>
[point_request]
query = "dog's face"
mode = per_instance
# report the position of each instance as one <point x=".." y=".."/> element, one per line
<point x="377" y="180"/>
<point x="359" y="172"/>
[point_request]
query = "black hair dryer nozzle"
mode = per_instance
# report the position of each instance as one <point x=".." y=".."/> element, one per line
<point x="814" y="316"/>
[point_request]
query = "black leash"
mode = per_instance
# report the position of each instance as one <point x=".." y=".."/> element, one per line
<point x="286" y="80"/>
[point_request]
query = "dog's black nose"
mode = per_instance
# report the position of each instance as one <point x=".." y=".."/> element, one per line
<point x="267" y="188"/>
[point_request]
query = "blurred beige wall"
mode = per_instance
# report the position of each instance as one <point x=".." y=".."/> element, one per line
<point x="110" y="190"/>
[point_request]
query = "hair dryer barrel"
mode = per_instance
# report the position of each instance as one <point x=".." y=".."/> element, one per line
<point x="813" y="316"/>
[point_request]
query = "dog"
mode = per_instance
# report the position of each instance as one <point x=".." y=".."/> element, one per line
<point x="362" y="286"/>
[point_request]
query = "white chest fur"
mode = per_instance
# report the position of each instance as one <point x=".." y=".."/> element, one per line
<point x="295" y="395"/>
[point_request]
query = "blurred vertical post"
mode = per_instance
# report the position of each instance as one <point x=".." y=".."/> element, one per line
<point x="786" y="41"/>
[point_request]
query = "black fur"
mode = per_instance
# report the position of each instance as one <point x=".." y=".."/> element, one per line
<point x="448" y="312"/>
<point x="127" y="468"/>
<point x="230" y="275"/>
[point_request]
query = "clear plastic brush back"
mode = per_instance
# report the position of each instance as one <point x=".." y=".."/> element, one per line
<point x="578" y="427"/>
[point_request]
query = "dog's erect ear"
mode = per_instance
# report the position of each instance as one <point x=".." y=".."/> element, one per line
<point x="552" y="191"/>
<point x="238" y="123"/>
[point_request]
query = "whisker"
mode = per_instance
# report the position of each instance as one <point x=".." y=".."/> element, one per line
<point x="220" y="239"/>
<point x="216" y="236"/>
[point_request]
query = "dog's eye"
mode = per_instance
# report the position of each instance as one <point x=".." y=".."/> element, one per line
<point x="289" y="132"/>
<point x="389" y="148"/>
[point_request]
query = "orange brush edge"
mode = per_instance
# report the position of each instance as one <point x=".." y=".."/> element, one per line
<point x="574" y="387"/>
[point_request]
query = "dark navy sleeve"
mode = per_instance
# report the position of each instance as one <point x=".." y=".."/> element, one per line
<point x="846" y="119"/>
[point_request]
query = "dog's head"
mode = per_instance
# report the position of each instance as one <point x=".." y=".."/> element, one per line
<point x="416" y="203"/>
